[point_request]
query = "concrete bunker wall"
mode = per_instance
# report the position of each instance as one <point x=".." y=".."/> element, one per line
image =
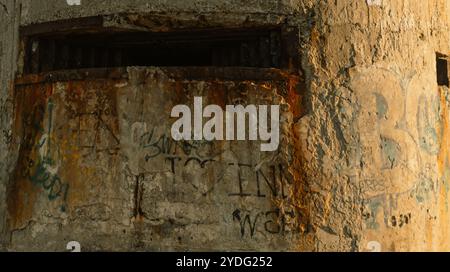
<point x="97" y="164"/>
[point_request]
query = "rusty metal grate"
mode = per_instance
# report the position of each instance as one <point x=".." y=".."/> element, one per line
<point x="263" y="48"/>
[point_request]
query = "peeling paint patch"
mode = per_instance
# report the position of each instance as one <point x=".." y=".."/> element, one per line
<point x="73" y="2"/>
<point x="374" y="2"/>
<point x="374" y="246"/>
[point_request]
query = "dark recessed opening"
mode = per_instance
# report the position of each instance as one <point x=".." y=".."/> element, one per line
<point x="217" y="48"/>
<point x="442" y="70"/>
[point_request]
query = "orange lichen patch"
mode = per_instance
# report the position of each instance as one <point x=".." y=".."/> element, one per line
<point x="295" y="86"/>
<point x="71" y="172"/>
<point x="88" y="125"/>
<point x="300" y="191"/>
<point x="179" y="89"/>
<point x="30" y="112"/>
<point x="444" y="167"/>
<point x="315" y="36"/>
<point x="219" y="94"/>
<point x="52" y="143"/>
<point x="295" y="100"/>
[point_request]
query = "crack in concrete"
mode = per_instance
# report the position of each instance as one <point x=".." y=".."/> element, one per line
<point x="5" y="9"/>
<point x="138" y="213"/>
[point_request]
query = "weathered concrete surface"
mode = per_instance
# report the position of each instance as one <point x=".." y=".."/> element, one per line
<point x="386" y="123"/>
<point x="370" y="161"/>
<point x="9" y="22"/>
<point x="105" y="171"/>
